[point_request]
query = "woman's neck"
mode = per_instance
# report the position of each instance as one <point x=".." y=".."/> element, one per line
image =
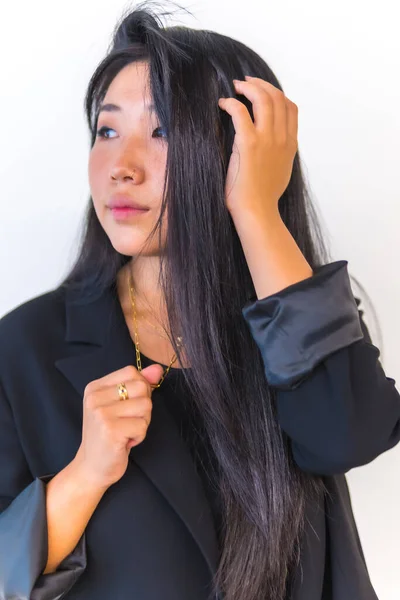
<point x="149" y="298"/>
<point x="149" y="306"/>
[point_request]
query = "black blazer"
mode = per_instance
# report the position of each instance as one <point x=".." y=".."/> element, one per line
<point x="152" y="535"/>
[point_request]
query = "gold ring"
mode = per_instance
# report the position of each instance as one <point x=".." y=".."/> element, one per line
<point x="122" y="391"/>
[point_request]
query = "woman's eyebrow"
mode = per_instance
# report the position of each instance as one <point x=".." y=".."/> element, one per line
<point x="109" y="107"/>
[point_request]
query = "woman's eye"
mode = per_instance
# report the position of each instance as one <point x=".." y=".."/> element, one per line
<point x="161" y="129"/>
<point x="101" y="132"/>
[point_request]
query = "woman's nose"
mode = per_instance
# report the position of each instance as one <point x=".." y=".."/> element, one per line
<point x="123" y="172"/>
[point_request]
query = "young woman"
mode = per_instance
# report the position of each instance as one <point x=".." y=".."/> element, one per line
<point x="178" y="415"/>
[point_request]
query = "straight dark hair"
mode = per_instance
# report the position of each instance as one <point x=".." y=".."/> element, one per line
<point x="206" y="282"/>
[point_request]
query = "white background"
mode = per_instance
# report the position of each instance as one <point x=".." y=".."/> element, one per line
<point x="339" y="62"/>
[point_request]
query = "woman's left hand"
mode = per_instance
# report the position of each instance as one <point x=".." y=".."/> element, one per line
<point x="262" y="157"/>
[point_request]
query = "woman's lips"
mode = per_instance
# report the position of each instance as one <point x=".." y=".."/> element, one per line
<point x="127" y="212"/>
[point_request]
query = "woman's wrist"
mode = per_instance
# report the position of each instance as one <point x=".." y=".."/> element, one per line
<point x="85" y="481"/>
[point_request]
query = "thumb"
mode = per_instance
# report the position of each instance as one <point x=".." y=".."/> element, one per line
<point x="153" y="373"/>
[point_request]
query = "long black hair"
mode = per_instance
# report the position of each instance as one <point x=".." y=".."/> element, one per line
<point x="206" y="281"/>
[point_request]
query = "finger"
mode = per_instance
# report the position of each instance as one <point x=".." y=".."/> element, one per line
<point x="126" y="373"/>
<point x="109" y="395"/>
<point x="134" y="407"/>
<point x="280" y="122"/>
<point x="280" y="109"/>
<point x="134" y="387"/>
<point x="293" y="120"/>
<point x="262" y="105"/>
<point x="240" y="116"/>
<point x="131" y="429"/>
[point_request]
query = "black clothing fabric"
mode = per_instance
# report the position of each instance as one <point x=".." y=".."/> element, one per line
<point x="177" y="399"/>
<point x="153" y="533"/>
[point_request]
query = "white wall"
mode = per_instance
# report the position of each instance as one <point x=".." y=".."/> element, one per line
<point x="338" y="61"/>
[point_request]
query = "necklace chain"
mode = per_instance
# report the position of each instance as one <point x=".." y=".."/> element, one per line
<point x="136" y="337"/>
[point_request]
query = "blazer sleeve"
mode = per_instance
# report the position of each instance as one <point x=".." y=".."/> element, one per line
<point x="23" y="526"/>
<point x="333" y="399"/>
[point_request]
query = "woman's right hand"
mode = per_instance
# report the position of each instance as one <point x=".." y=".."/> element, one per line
<point x="111" y="427"/>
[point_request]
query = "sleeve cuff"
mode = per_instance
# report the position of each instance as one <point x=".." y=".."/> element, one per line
<point x="24" y="549"/>
<point x="298" y="327"/>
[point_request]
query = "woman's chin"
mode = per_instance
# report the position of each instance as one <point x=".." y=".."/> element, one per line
<point x="126" y="249"/>
<point x="131" y="240"/>
<point x="131" y="247"/>
<point x="125" y="244"/>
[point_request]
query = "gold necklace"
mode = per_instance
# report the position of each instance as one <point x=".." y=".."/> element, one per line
<point x="136" y="340"/>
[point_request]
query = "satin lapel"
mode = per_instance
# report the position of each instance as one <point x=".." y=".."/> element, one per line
<point x="163" y="455"/>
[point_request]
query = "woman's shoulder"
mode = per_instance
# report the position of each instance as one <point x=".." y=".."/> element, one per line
<point x="34" y="317"/>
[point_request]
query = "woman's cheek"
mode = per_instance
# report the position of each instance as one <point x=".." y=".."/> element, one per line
<point x="96" y="175"/>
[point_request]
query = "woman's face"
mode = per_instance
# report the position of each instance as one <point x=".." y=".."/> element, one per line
<point x="129" y="158"/>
